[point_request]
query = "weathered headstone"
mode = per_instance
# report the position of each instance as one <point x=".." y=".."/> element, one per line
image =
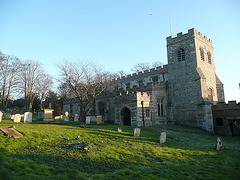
<point x="17" y="118"/>
<point x="1" y="115"/>
<point x="66" y="118"/>
<point x="100" y="119"/>
<point x="76" y="117"/>
<point x="40" y="114"/>
<point x="22" y="117"/>
<point x="48" y="117"/>
<point x="27" y="117"/>
<point x="88" y="120"/>
<point x="11" y="132"/>
<point x="137" y="131"/>
<point x="219" y="144"/>
<point x="119" y="129"/>
<point x="57" y="117"/>
<point x="61" y="117"/>
<point x="8" y="115"/>
<point x="163" y="137"/>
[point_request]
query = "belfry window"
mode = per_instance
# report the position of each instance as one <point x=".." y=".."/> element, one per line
<point x="181" y="55"/>
<point x="201" y="53"/>
<point x="160" y="107"/>
<point x="209" y="57"/>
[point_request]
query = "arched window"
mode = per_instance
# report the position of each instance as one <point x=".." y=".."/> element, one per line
<point x="209" y="57"/>
<point x="181" y="55"/>
<point x="210" y="94"/>
<point x="160" y="107"/>
<point x="201" y="53"/>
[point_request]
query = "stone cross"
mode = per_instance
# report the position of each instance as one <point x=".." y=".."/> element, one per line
<point x="76" y="117"/>
<point x="163" y="137"/>
<point x="137" y="131"/>
<point x="66" y="118"/>
<point x="17" y="118"/>
<point x="1" y="114"/>
<point x="219" y="144"/>
<point x="27" y="117"/>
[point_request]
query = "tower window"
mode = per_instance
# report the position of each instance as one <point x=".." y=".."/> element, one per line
<point x="209" y="58"/>
<point x="181" y="55"/>
<point x="201" y="53"/>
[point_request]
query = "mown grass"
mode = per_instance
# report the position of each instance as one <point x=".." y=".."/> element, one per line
<point x="66" y="151"/>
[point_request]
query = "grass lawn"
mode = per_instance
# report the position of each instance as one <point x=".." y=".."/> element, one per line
<point x="66" y="151"/>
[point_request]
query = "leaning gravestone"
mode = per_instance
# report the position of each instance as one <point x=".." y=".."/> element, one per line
<point x="27" y="117"/>
<point x="76" y="117"/>
<point x="1" y="114"/>
<point x="137" y="131"/>
<point x="163" y="137"/>
<point x="17" y="118"/>
<point x="219" y="144"/>
<point x="66" y="118"/>
<point x="48" y="115"/>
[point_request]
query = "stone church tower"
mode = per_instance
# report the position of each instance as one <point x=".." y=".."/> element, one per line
<point x="192" y="79"/>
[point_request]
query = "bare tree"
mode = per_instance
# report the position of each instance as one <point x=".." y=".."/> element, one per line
<point x="85" y="81"/>
<point x="120" y="73"/>
<point x="9" y="69"/>
<point x="140" y="67"/>
<point x="31" y="77"/>
<point x="146" y="66"/>
<point x="43" y="87"/>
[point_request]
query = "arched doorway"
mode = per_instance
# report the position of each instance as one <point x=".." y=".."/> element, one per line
<point x="101" y="108"/>
<point x="126" y="116"/>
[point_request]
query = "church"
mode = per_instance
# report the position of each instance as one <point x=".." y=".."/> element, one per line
<point x="181" y="92"/>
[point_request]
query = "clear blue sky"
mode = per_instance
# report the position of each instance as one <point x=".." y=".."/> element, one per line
<point x="117" y="34"/>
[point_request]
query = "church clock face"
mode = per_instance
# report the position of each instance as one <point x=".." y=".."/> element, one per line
<point x="205" y="48"/>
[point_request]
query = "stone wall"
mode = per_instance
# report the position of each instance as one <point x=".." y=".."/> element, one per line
<point x="224" y="115"/>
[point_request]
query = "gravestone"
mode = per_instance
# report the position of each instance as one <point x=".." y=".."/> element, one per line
<point x="22" y="117"/>
<point x="27" y="117"/>
<point x="119" y="129"/>
<point x="100" y="119"/>
<point x="1" y="115"/>
<point x="163" y="137"/>
<point x="48" y="116"/>
<point x="8" y="115"/>
<point x="61" y="117"/>
<point x="137" y="131"/>
<point x="57" y="117"/>
<point x="66" y="118"/>
<point x="17" y="118"/>
<point x="219" y="144"/>
<point x="40" y="114"/>
<point x="12" y="117"/>
<point x="76" y="117"/>
<point x="88" y="120"/>
<point x="10" y="132"/>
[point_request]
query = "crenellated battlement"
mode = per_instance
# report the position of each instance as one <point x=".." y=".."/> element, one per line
<point x="153" y="71"/>
<point x="191" y="33"/>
